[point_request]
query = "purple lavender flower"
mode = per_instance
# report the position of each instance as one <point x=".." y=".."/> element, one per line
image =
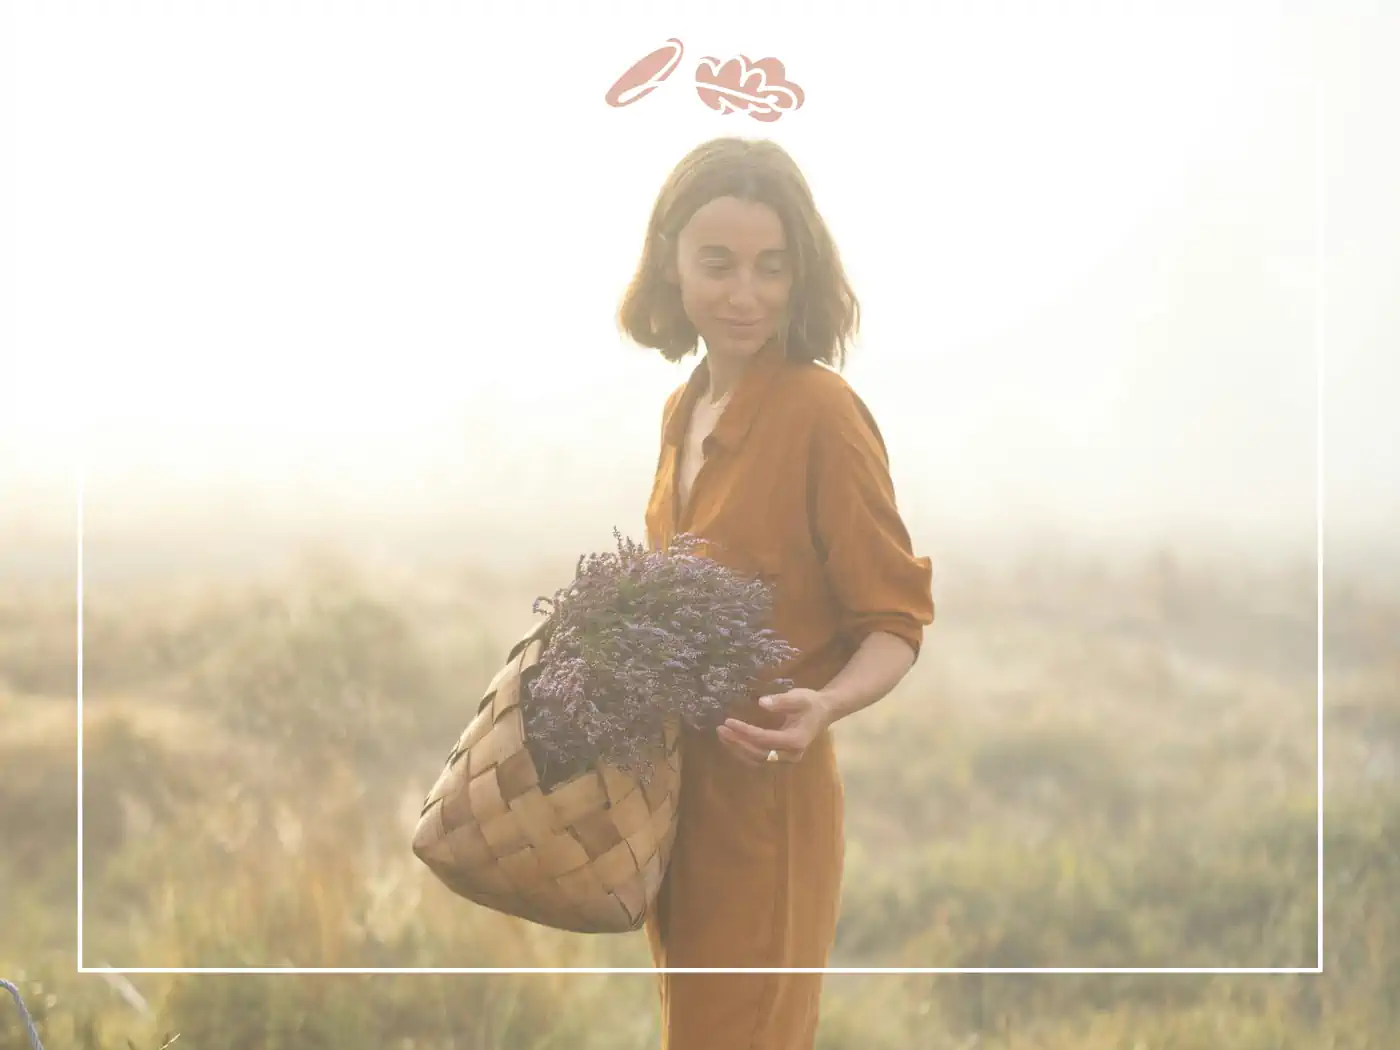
<point x="641" y="637"/>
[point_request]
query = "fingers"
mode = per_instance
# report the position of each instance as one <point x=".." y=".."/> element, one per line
<point x="786" y="703"/>
<point x="764" y="740"/>
<point x="757" y="754"/>
<point x="741" y="749"/>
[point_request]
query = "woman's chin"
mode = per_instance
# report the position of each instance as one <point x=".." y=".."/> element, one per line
<point x="730" y="344"/>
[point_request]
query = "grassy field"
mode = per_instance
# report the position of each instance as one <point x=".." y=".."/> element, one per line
<point x="1096" y="763"/>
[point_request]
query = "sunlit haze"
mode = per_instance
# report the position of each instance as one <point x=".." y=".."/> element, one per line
<point x="360" y="271"/>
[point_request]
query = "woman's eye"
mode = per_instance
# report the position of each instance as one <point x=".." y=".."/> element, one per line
<point x="720" y="267"/>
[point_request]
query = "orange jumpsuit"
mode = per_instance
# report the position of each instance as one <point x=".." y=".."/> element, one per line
<point x="795" y="488"/>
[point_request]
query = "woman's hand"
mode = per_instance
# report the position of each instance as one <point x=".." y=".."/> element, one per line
<point x="805" y="714"/>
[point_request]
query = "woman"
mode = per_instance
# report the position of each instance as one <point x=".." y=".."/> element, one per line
<point x="767" y="454"/>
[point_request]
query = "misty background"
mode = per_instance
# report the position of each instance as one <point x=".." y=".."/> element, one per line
<point x="353" y="278"/>
<point x="312" y="280"/>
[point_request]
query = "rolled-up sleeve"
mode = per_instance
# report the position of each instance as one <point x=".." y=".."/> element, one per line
<point x="869" y="560"/>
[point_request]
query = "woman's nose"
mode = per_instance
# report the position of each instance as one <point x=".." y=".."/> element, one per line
<point x="742" y="290"/>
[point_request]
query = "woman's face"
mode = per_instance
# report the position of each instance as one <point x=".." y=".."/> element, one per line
<point x="735" y="275"/>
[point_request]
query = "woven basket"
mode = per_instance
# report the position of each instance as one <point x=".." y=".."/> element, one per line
<point x="588" y="856"/>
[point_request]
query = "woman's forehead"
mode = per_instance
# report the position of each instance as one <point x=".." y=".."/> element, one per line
<point x="737" y="226"/>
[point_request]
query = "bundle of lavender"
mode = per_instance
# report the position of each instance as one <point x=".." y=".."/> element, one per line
<point x="559" y="802"/>
<point x="639" y="638"/>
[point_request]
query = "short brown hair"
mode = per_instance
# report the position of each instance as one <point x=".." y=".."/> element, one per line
<point x="823" y="309"/>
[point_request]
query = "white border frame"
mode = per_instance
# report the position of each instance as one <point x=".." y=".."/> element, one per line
<point x="1319" y="333"/>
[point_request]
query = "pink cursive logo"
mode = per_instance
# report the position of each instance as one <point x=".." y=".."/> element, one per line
<point x="646" y="74"/>
<point x="735" y="85"/>
<point x="760" y="89"/>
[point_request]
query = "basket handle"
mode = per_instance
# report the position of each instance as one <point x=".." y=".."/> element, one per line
<point x="517" y="651"/>
<point x="536" y="631"/>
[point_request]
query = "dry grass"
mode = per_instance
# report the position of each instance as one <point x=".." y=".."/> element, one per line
<point x="1094" y="764"/>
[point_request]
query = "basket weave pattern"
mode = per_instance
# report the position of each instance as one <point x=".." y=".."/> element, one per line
<point x="588" y="856"/>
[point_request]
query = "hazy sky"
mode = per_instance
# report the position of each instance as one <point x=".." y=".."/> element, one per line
<point x="304" y="258"/>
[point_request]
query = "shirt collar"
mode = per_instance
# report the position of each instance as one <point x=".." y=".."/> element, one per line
<point x="745" y="404"/>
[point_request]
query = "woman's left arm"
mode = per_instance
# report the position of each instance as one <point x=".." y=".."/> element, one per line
<point x="883" y="590"/>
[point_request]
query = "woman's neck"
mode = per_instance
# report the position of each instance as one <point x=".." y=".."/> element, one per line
<point x="724" y="377"/>
<point x="725" y="372"/>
